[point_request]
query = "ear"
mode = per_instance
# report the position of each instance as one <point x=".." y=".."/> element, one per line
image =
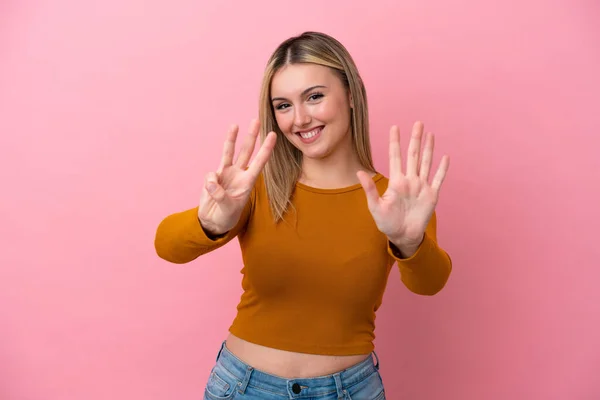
<point x="350" y="99"/>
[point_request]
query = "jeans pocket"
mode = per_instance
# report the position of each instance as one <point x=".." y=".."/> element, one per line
<point x="370" y="388"/>
<point x="220" y="385"/>
<point x="381" y="396"/>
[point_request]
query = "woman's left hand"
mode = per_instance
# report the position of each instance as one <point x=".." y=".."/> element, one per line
<point x="404" y="210"/>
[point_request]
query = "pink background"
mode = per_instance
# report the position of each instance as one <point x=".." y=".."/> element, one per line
<point x="111" y="112"/>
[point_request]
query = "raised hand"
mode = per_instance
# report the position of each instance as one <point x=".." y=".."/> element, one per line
<point x="404" y="210"/>
<point x="227" y="190"/>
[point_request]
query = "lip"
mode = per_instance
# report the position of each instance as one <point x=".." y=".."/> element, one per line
<point x="308" y="130"/>
<point x="312" y="139"/>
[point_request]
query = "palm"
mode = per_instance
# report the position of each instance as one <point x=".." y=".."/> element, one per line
<point x="404" y="210"/>
<point x="237" y="185"/>
<point x="220" y="209"/>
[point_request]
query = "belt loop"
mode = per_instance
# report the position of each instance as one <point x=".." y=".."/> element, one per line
<point x="220" y="350"/>
<point x="376" y="360"/>
<point x="339" y="386"/>
<point x="244" y="383"/>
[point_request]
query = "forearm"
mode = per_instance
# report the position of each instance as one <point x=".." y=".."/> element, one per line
<point x="426" y="270"/>
<point x="424" y="266"/>
<point x="180" y="238"/>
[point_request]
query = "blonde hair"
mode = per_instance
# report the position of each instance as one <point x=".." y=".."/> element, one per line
<point x="283" y="168"/>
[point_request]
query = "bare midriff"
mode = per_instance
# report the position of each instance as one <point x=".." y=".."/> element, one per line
<point x="288" y="364"/>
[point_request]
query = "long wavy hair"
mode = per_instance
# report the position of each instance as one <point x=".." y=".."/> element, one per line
<point x="284" y="167"/>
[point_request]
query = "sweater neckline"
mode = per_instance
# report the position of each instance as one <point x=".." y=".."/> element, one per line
<point x="377" y="177"/>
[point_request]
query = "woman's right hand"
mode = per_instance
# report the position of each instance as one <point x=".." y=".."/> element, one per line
<point x="227" y="190"/>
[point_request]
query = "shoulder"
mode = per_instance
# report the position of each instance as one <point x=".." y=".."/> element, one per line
<point x="259" y="188"/>
<point x="381" y="182"/>
<point x="260" y="180"/>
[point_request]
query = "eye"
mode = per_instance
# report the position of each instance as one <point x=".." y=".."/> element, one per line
<point x="315" y="96"/>
<point x="282" y="106"/>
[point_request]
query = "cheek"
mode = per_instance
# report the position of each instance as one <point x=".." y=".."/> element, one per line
<point x="284" y="121"/>
<point x="330" y="112"/>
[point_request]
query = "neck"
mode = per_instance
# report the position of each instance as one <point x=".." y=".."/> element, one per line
<point x="334" y="171"/>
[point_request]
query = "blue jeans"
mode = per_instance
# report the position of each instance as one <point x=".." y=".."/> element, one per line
<point x="231" y="378"/>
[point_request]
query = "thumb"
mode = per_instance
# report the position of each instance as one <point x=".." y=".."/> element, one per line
<point x="212" y="186"/>
<point x="370" y="189"/>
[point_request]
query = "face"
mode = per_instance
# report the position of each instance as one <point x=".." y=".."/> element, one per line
<point x="312" y="109"/>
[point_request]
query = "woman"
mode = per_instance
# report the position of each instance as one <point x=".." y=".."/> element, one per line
<point x="319" y="229"/>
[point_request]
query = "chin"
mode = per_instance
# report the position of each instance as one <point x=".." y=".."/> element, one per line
<point x="316" y="150"/>
<point x="320" y="153"/>
<point x="314" y="155"/>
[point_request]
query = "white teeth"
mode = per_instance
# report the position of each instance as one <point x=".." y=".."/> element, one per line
<point x="308" y="135"/>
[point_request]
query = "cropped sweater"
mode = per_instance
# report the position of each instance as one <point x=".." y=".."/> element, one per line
<point x="313" y="282"/>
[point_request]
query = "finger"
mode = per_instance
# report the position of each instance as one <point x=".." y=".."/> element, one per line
<point x="212" y="186"/>
<point x="427" y="157"/>
<point x="395" y="154"/>
<point x="440" y="175"/>
<point x="370" y="189"/>
<point x="414" y="150"/>
<point x="263" y="155"/>
<point x="229" y="147"/>
<point x="248" y="146"/>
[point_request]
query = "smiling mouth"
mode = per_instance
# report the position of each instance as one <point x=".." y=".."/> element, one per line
<point x="310" y="136"/>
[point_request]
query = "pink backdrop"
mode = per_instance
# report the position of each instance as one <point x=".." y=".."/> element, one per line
<point x="111" y="111"/>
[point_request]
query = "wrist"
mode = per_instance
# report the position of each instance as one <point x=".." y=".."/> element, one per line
<point x="406" y="247"/>
<point x="211" y="231"/>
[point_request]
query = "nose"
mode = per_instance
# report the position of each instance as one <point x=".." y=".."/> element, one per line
<point x="301" y="117"/>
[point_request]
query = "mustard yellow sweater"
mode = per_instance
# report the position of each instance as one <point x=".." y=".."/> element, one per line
<point x="313" y="282"/>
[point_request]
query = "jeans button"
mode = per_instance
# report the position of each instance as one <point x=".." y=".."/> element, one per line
<point x="296" y="388"/>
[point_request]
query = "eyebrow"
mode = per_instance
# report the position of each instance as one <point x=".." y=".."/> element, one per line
<point x="304" y="92"/>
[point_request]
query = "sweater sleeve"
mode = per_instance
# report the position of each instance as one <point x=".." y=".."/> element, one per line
<point x="180" y="237"/>
<point x="427" y="271"/>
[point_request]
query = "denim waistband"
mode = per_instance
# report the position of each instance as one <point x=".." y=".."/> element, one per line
<point x="296" y="387"/>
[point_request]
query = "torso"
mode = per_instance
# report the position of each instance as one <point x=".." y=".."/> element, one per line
<point x="289" y="364"/>
<point x="310" y="295"/>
